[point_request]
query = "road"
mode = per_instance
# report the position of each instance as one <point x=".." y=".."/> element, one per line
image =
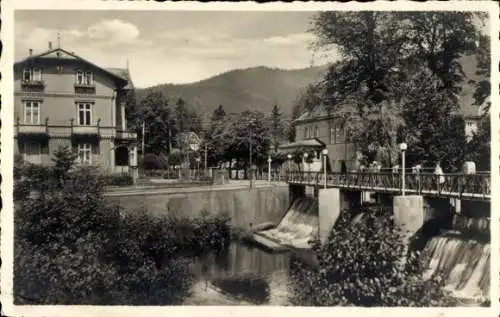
<point x="157" y="190"/>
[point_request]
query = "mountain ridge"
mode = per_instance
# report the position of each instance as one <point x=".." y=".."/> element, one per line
<point x="253" y="88"/>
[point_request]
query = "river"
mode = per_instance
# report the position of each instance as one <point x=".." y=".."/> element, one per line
<point x="244" y="275"/>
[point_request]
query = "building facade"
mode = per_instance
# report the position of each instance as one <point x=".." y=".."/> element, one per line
<point x="318" y="130"/>
<point x="64" y="100"/>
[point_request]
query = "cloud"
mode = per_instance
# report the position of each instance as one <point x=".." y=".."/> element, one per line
<point x="290" y="39"/>
<point x="113" y="31"/>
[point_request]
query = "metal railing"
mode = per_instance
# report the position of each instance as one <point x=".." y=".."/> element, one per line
<point x="453" y="185"/>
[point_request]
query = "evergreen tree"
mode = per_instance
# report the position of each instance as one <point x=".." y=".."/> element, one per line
<point x="277" y="126"/>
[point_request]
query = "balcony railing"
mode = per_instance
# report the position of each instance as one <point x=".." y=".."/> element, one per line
<point x="126" y="135"/>
<point x="85" y="129"/>
<point x="33" y="83"/>
<point x="82" y="88"/>
<point x="31" y="129"/>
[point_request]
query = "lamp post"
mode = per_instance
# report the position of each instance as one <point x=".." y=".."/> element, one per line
<point x="269" y="160"/>
<point x="305" y="161"/>
<point x="198" y="166"/>
<point x="325" y="153"/>
<point x="403" y="146"/>
<point x="289" y="157"/>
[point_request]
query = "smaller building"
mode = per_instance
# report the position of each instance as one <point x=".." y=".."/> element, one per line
<point x="317" y="130"/>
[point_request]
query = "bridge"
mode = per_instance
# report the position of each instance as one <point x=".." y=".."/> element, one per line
<point x="453" y="185"/>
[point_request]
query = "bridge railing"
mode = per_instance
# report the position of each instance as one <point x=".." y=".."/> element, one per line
<point x="453" y="184"/>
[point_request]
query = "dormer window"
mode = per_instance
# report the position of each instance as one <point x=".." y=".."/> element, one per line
<point x="32" y="74"/>
<point x="84" y="78"/>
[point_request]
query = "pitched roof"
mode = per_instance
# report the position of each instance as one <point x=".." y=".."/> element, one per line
<point x="60" y="53"/>
<point x="124" y="73"/>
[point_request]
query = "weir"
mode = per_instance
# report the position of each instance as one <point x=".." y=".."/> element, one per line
<point x="457" y="244"/>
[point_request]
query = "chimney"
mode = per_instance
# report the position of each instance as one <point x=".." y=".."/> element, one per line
<point x="50" y="45"/>
<point x="31" y="52"/>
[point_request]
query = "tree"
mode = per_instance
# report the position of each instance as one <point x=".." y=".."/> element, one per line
<point x="483" y="57"/>
<point x="158" y="119"/>
<point x="383" y="52"/>
<point x="277" y="126"/>
<point x="181" y="115"/>
<point x="249" y="133"/>
<point x="434" y="129"/>
<point x="361" y="265"/>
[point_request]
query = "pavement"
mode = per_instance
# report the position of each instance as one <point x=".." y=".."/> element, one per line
<point x="156" y="190"/>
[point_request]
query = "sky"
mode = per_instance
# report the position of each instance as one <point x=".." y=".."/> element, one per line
<point x="173" y="46"/>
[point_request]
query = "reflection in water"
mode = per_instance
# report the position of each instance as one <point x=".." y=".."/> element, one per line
<point x="243" y="276"/>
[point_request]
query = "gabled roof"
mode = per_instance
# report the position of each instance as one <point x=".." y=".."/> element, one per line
<point x="59" y="53"/>
<point x="124" y="73"/>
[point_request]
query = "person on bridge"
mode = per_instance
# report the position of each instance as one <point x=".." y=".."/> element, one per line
<point x="438" y="171"/>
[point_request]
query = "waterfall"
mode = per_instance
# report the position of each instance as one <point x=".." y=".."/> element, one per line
<point x="463" y="262"/>
<point x="299" y="226"/>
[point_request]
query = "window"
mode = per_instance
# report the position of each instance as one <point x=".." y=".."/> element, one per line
<point x="340" y="137"/>
<point x="32" y="112"/>
<point x="316" y="131"/>
<point x="84" y="78"/>
<point x="84" y="114"/>
<point x="33" y="152"/>
<point x="32" y="74"/>
<point x="332" y="135"/>
<point x="85" y="153"/>
<point x="305" y="132"/>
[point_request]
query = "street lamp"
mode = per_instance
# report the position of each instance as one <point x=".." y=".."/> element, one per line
<point x="403" y="146"/>
<point x="325" y="153"/>
<point x="305" y="160"/>
<point x="198" y="165"/>
<point x="269" y="160"/>
<point x="289" y="157"/>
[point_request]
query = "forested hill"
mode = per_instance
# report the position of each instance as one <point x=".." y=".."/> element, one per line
<point x="256" y="88"/>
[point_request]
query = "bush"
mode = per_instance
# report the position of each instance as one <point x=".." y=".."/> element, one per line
<point x="362" y="265"/>
<point x="153" y="162"/>
<point x="71" y="247"/>
<point x="117" y="180"/>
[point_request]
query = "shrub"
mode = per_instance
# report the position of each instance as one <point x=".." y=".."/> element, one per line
<point x="117" y="180"/>
<point x="362" y="265"/>
<point x="71" y="247"/>
<point x="153" y="162"/>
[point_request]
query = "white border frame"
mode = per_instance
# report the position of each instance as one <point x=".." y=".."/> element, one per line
<point x="7" y="140"/>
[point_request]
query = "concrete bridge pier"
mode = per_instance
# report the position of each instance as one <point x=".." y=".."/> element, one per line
<point x="420" y="217"/>
<point x="331" y="202"/>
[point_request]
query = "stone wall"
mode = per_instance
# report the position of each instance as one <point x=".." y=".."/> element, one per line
<point x="244" y="206"/>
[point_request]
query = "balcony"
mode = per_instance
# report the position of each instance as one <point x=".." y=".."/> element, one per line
<point x="85" y="132"/>
<point x="31" y="131"/>
<point x="33" y="85"/>
<point x="86" y="89"/>
<point x="126" y="135"/>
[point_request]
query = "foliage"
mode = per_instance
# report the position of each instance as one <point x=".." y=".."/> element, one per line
<point x="72" y="247"/>
<point x="277" y="127"/>
<point x="117" y="180"/>
<point x="361" y="265"/>
<point x="483" y="56"/>
<point x="479" y="148"/>
<point x="153" y="162"/>
<point x="382" y="92"/>
<point x="158" y="124"/>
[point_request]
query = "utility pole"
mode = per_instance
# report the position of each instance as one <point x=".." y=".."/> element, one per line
<point x="250" y="158"/>
<point x="143" y="135"/>
<point x="205" y="157"/>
